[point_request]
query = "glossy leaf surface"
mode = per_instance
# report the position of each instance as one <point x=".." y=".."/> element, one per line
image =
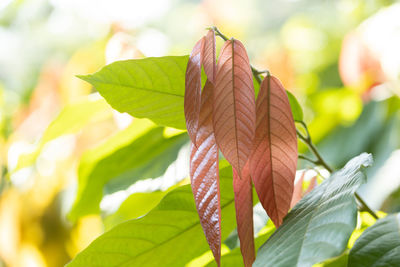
<point x="204" y="175"/>
<point x="234" y="104"/>
<point x="192" y="99"/>
<point x="169" y="235"/>
<point x="150" y="88"/>
<point x="141" y="151"/>
<point x="379" y="245"/>
<point x="274" y="157"/>
<point x="243" y="189"/>
<point x="319" y="226"/>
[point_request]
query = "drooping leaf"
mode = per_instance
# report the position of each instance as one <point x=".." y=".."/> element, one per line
<point x="243" y="189"/>
<point x="234" y="104"/>
<point x="274" y="157"/>
<point x="192" y="99"/>
<point x="150" y="88"/>
<point x="169" y="235"/>
<point x="204" y="175"/>
<point x="379" y="245"/>
<point x="319" y="226"/>
<point x="70" y="120"/>
<point x="141" y="151"/>
<point x="209" y="61"/>
<point x="297" y="111"/>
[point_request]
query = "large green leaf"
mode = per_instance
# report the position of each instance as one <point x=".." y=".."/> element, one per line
<point x="150" y="88"/>
<point x="319" y="226"/>
<point x="169" y="235"/>
<point x="70" y="120"/>
<point x="379" y="245"/>
<point x="136" y="205"/>
<point x="141" y="151"/>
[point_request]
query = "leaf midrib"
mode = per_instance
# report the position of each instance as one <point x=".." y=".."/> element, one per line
<point x="95" y="80"/>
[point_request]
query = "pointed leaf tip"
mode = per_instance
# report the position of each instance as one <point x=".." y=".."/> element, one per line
<point x="234" y="104"/>
<point x="274" y="156"/>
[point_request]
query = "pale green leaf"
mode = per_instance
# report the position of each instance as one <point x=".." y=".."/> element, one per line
<point x="297" y="111"/>
<point x="379" y="245"/>
<point x="150" y="88"/>
<point x="136" y="205"/>
<point x="141" y="151"/>
<point x="169" y="235"/>
<point x="319" y="226"/>
<point x="70" y="120"/>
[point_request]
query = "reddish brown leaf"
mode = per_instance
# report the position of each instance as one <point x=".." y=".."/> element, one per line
<point x="244" y="214"/>
<point x="204" y="175"/>
<point x="234" y="104"/>
<point x="311" y="186"/>
<point x="274" y="157"/>
<point x="298" y="190"/>
<point x="192" y="98"/>
<point x="209" y="61"/>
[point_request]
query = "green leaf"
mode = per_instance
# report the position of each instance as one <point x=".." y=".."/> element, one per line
<point x="169" y="235"/>
<point x="70" y="120"/>
<point x="234" y="258"/>
<point x="136" y="205"/>
<point x="319" y="226"/>
<point x="150" y="88"/>
<point x="379" y="245"/>
<point x="297" y="111"/>
<point x="139" y="152"/>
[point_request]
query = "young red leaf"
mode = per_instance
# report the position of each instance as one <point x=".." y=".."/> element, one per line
<point x="204" y="175"/>
<point x="311" y="186"/>
<point x="244" y="214"/>
<point x="274" y="157"/>
<point x="192" y="98"/>
<point x="209" y="61"/>
<point x="298" y="190"/>
<point x="234" y="104"/>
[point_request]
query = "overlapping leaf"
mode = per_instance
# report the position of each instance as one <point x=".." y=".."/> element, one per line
<point x="209" y="60"/>
<point x="193" y="89"/>
<point x="298" y="189"/>
<point x="140" y="151"/>
<point x="274" y="157"/>
<point x="150" y="88"/>
<point x="242" y="187"/>
<point x="204" y="175"/>
<point x="379" y="245"/>
<point x="234" y="104"/>
<point x="319" y="226"/>
<point x="169" y="235"/>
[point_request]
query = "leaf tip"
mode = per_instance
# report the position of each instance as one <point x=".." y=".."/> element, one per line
<point x="86" y="78"/>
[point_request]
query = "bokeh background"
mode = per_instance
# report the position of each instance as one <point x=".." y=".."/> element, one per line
<point x="340" y="58"/>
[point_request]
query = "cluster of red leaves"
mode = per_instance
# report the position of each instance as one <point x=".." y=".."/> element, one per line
<point x="258" y="138"/>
